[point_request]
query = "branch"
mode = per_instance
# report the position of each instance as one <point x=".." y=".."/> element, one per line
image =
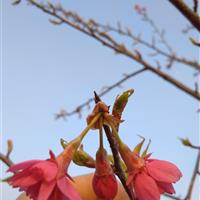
<point x="63" y="113"/>
<point x="195" y="173"/>
<point x="114" y="149"/>
<point x="137" y="39"/>
<point x="115" y="152"/>
<point x="187" y="12"/>
<point x="6" y="158"/>
<point x="196" y="4"/>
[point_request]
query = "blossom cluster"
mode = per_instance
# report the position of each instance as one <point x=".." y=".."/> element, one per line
<point x="147" y="178"/>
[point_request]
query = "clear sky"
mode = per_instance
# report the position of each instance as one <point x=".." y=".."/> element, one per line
<point x="46" y="68"/>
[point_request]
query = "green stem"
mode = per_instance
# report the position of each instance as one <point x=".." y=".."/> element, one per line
<point x="85" y="131"/>
<point x="116" y="134"/>
<point x="101" y="138"/>
<point x="94" y="120"/>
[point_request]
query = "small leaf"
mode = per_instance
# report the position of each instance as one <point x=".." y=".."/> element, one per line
<point x="120" y="103"/>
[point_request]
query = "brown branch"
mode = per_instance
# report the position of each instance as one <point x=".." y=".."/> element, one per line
<point x="195" y="173"/>
<point x="63" y="113"/>
<point x="108" y="41"/>
<point x="138" y="39"/>
<point x="196" y="4"/>
<point x="115" y="152"/>
<point x="5" y="159"/>
<point x="187" y="12"/>
<point x="172" y="197"/>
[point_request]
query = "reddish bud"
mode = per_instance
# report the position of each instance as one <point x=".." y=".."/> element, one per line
<point x="104" y="181"/>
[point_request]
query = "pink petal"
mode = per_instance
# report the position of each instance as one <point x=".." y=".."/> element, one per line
<point x="48" y="168"/>
<point x="129" y="179"/>
<point x="146" y="188"/>
<point x="166" y="187"/>
<point x="23" y="179"/>
<point x="163" y="171"/>
<point x="46" y="190"/>
<point x="33" y="190"/>
<point x="66" y="187"/>
<point x="57" y="195"/>
<point x="22" y="165"/>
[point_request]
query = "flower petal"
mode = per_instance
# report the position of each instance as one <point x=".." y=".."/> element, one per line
<point x="166" y="187"/>
<point x="33" y="190"/>
<point x="48" y="168"/>
<point x="46" y="190"/>
<point x="163" y="171"/>
<point x="146" y="188"/>
<point x="66" y="187"/>
<point x="23" y="165"/>
<point x="23" y="179"/>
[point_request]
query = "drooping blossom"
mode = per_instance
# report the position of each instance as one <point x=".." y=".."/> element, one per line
<point x="104" y="181"/>
<point x="46" y="179"/>
<point x="149" y="178"/>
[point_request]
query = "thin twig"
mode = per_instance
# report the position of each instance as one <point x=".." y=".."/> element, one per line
<point x="196" y="4"/>
<point x="108" y="41"/>
<point x="137" y="39"/>
<point x="108" y="89"/>
<point x="172" y="197"/>
<point x="6" y="160"/>
<point x="195" y="172"/>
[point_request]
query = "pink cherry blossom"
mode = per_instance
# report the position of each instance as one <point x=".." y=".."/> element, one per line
<point x="45" y="179"/>
<point x="149" y="178"/>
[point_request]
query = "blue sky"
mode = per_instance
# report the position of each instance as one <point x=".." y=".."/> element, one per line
<point x="46" y="68"/>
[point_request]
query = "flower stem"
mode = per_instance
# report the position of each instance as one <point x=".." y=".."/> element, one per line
<point x="101" y="138"/>
<point x="116" y="134"/>
<point x="85" y="131"/>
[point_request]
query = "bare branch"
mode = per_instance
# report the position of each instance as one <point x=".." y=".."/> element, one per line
<point x="195" y="173"/>
<point x="63" y="113"/>
<point x="78" y="23"/>
<point x="6" y="158"/>
<point x="193" y="17"/>
<point x="152" y="45"/>
<point x="196" y="4"/>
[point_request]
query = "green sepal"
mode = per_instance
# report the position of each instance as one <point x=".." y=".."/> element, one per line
<point x="145" y="152"/>
<point x="123" y="166"/>
<point x="138" y="147"/>
<point x="80" y="157"/>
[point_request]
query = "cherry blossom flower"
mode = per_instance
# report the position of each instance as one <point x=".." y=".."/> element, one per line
<point x="46" y="179"/>
<point x="149" y="178"/>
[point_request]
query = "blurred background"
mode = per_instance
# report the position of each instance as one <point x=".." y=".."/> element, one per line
<point x="46" y="68"/>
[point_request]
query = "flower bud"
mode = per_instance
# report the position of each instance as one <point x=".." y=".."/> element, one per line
<point x="104" y="181"/>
